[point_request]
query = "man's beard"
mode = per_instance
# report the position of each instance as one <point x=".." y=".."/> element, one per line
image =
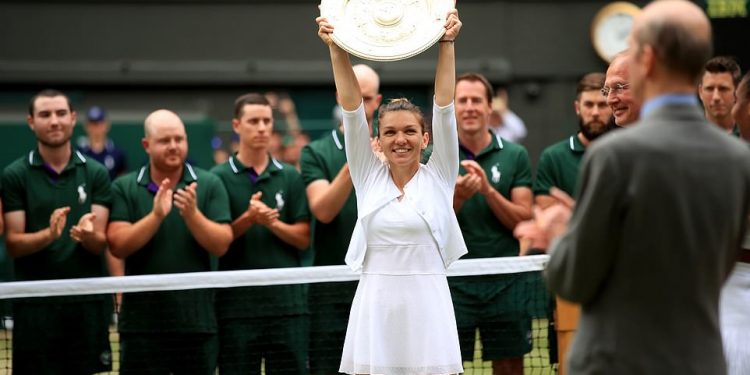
<point x="591" y="131"/>
<point x="55" y="144"/>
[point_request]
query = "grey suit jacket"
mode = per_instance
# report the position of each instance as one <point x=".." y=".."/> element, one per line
<point x="662" y="209"/>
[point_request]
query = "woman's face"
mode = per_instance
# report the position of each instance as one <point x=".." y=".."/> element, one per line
<point x="401" y="138"/>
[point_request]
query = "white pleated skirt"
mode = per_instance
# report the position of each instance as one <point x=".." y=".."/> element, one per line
<point x="734" y="314"/>
<point x="401" y="320"/>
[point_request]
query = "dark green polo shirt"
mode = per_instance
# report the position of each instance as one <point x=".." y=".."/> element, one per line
<point x="30" y="185"/>
<point x="322" y="159"/>
<point x="558" y="166"/>
<point x="507" y="166"/>
<point x="736" y="131"/>
<point x="173" y="249"/>
<point x="259" y="248"/>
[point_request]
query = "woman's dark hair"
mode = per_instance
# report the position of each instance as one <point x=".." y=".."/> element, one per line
<point x="402" y="104"/>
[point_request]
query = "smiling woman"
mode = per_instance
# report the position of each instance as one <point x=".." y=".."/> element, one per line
<point x="402" y="319"/>
<point x="402" y="135"/>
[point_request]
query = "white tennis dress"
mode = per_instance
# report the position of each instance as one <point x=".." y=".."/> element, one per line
<point x="734" y="316"/>
<point x="402" y="319"/>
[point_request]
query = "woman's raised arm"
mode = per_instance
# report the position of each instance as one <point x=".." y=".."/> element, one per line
<point x="445" y="74"/>
<point x="347" y="86"/>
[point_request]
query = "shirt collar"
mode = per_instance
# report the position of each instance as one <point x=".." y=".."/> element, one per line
<point x="575" y="144"/>
<point x="144" y="177"/>
<point x="35" y="159"/>
<point x="238" y="167"/>
<point x="667" y="99"/>
<point x="338" y="138"/>
<point x="496" y="143"/>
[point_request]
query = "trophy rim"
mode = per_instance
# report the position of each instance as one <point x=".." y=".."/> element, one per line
<point x="381" y="56"/>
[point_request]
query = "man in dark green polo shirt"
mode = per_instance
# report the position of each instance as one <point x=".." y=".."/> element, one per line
<point x="56" y="210"/>
<point x="168" y="217"/>
<point x="334" y="207"/>
<point x="493" y="194"/>
<point x="270" y="223"/>
<point x="558" y="165"/>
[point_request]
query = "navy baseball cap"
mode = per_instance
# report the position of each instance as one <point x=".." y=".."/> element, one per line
<point x="96" y="114"/>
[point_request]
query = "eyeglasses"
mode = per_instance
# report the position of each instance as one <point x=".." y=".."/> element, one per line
<point x="618" y="89"/>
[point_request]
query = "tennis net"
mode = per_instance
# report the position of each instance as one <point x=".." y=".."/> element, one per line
<point x="292" y="317"/>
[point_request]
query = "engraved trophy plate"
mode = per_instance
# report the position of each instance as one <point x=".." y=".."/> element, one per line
<point x="386" y="30"/>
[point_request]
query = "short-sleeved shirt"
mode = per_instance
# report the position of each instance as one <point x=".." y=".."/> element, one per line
<point x="507" y="167"/>
<point x="258" y="248"/>
<point x="111" y="156"/>
<point x="558" y="166"/>
<point x="173" y="249"/>
<point x="322" y="159"/>
<point x="30" y="185"/>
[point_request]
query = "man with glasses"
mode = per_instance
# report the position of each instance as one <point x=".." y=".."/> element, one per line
<point x="625" y="108"/>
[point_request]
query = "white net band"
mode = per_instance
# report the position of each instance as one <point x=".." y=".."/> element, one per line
<point x="227" y="279"/>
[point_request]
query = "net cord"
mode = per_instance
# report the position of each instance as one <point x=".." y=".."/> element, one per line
<point x="261" y="277"/>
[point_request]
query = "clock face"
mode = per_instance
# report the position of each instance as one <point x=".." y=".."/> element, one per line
<point x="611" y="27"/>
<point x="612" y="34"/>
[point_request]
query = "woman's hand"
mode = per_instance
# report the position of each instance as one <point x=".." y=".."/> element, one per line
<point x="452" y="26"/>
<point x="325" y="29"/>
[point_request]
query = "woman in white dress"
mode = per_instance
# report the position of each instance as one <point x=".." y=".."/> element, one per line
<point x="401" y="320"/>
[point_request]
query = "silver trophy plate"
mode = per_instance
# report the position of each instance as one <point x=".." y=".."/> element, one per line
<point x="386" y="30"/>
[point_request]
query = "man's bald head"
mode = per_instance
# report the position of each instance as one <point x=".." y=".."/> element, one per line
<point x="165" y="141"/>
<point x="619" y="61"/>
<point x="369" y="86"/>
<point x="679" y="33"/>
<point x="158" y="117"/>
<point x="626" y="107"/>
<point x="368" y="75"/>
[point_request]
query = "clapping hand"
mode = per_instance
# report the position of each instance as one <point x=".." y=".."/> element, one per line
<point x="57" y="221"/>
<point x="186" y="200"/>
<point x="84" y="229"/>
<point x="163" y="200"/>
<point x="547" y="224"/>
<point x="474" y="169"/>
<point x="263" y="214"/>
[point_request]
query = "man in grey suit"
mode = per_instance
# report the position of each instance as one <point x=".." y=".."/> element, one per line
<point x="660" y="215"/>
